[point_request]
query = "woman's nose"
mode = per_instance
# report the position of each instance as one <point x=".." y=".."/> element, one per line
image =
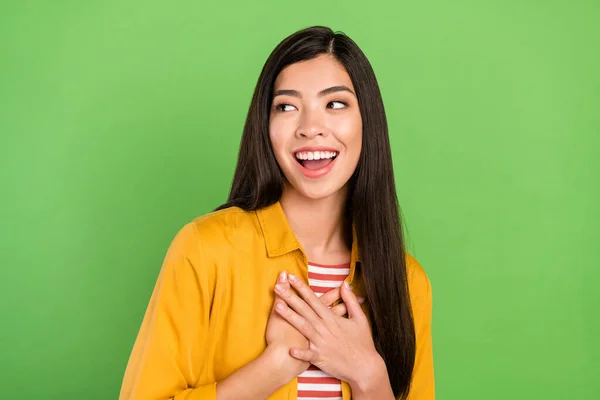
<point x="311" y="125"/>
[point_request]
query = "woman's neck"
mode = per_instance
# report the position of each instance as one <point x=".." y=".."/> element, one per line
<point x="318" y="224"/>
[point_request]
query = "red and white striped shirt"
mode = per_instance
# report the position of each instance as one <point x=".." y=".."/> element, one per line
<point x="314" y="384"/>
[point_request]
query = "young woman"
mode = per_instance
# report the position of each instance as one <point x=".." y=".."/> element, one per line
<point x="299" y="286"/>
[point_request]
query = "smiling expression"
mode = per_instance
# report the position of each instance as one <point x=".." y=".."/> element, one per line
<point x="315" y="126"/>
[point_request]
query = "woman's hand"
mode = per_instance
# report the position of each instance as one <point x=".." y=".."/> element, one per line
<point x="281" y="334"/>
<point x="341" y="347"/>
<point x="279" y="331"/>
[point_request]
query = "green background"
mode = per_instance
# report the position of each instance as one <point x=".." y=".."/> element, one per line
<point x="120" y="122"/>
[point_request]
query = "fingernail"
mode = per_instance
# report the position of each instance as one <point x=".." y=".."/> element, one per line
<point x="293" y="278"/>
<point x="280" y="306"/>
<point x="347" y="285"/>
<point x="283" y="276"/>
<point x="361" y="299"/>
<point x="279" y="288"/>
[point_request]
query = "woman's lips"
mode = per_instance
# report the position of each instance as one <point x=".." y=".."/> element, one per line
<point x="319" y="171"/>
<point x="316" y="164"/>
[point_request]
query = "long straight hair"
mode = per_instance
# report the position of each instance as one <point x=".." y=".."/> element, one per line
<point x="372" y="205"/>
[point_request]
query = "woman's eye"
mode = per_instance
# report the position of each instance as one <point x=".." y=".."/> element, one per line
<point x="282" y="107"/>
<point x="336" y="105"/>
<point x="340" y="104"/>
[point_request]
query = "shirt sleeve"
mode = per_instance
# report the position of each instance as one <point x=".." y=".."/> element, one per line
<point x="422" y="384"/>
<point x="169" y="354"/>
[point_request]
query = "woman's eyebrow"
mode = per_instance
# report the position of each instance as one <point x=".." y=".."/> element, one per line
<point x="295" y="93"/>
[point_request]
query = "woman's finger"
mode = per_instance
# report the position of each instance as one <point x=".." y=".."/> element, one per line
<point x="301" y="324"/>
<point x="309" y="296"/>
<point x="285" y="293"/>
<point x="340" y="310"/>
<point x="352" y="304"/>
<point x="331" y="297"/>
<point x="304" y="355"/>
<point x="283" y="280"/>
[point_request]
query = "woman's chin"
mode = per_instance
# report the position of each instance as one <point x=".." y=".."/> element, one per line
<point x="319" y="192"/>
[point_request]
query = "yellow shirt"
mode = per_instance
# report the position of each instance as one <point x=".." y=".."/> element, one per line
<point x="209" y="309"/>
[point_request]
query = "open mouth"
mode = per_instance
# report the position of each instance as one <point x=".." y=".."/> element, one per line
<point x="315" y="160"/>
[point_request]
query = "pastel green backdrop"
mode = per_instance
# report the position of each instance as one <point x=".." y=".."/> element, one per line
<point x="120" y="121"/>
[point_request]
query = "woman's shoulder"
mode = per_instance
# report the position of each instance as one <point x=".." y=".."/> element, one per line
<point x="223" y="218"/>
<point x="218" y="227"/>
<point x="206" y="239"/>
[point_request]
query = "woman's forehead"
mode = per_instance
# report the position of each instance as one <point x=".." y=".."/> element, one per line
<point x="312" y="76"/>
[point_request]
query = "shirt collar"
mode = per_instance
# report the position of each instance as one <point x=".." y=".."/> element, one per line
<point x="279" y="238"/>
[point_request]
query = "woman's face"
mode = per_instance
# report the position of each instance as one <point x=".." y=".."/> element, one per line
<point x="315" y="126"/>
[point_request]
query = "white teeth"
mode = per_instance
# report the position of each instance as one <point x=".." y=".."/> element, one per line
<point x="315" y="155"/>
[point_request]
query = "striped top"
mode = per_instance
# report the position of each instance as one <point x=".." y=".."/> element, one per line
<point x="314" y="384"/>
